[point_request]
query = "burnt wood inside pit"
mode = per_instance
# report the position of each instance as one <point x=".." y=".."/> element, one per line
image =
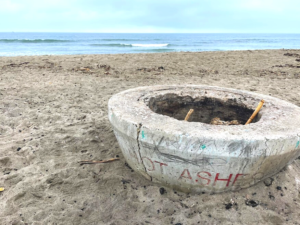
<point x="205" y="109"/>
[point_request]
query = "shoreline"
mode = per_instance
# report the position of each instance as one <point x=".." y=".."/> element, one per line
<point x="171" y="52"/>
<point x="54" y="114"/>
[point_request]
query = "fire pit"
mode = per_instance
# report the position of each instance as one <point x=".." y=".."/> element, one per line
<point x="202" y="154"/>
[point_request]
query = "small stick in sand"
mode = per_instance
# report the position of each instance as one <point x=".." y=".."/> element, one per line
<point x="102" y="161"/>
<point x="188" y="115"/>
<point x="255" y="112"/>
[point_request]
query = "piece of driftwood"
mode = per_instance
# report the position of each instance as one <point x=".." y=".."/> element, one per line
<point x="255" y="112"/>
<point x="188" y="115"/>
<point x="94" y="162"/>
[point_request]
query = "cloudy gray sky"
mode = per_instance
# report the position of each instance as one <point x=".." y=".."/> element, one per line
<point x="155" y="16"/>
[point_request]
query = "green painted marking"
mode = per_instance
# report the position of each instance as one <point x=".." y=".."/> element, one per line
<point x="297" y="144"/>
<point x="203" y="146"/>
<point x="143" y="134"/>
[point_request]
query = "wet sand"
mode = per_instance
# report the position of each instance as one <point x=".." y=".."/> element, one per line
<point x="54" y="114"/>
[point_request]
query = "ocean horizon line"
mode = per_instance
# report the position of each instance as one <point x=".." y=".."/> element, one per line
<point x="96" y="32"/>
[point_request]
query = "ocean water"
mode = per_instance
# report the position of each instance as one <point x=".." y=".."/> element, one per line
<point x="16" y="44"/>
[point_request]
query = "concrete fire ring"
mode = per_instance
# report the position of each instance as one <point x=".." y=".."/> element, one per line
<point x="196" y="156"/>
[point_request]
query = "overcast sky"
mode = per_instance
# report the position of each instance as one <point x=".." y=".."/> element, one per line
<point x="155" y="16"/>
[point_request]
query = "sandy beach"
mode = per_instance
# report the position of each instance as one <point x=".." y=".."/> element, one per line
<point x="54" y="114"/>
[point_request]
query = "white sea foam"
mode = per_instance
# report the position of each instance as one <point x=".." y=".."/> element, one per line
<point x="150" y="45"/>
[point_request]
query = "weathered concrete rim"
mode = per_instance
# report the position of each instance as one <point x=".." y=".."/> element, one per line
<point x="279" y="118"/>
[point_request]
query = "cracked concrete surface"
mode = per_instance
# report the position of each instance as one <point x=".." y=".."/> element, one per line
<point x="139" y="151"/>
<point x="195" y="156"/>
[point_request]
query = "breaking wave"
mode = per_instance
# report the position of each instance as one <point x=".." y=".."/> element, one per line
<point x="150" y="45"/>
<point x="33" y="40"/>
<point x="111" y="45"/>
<point x="132" y="45"/>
